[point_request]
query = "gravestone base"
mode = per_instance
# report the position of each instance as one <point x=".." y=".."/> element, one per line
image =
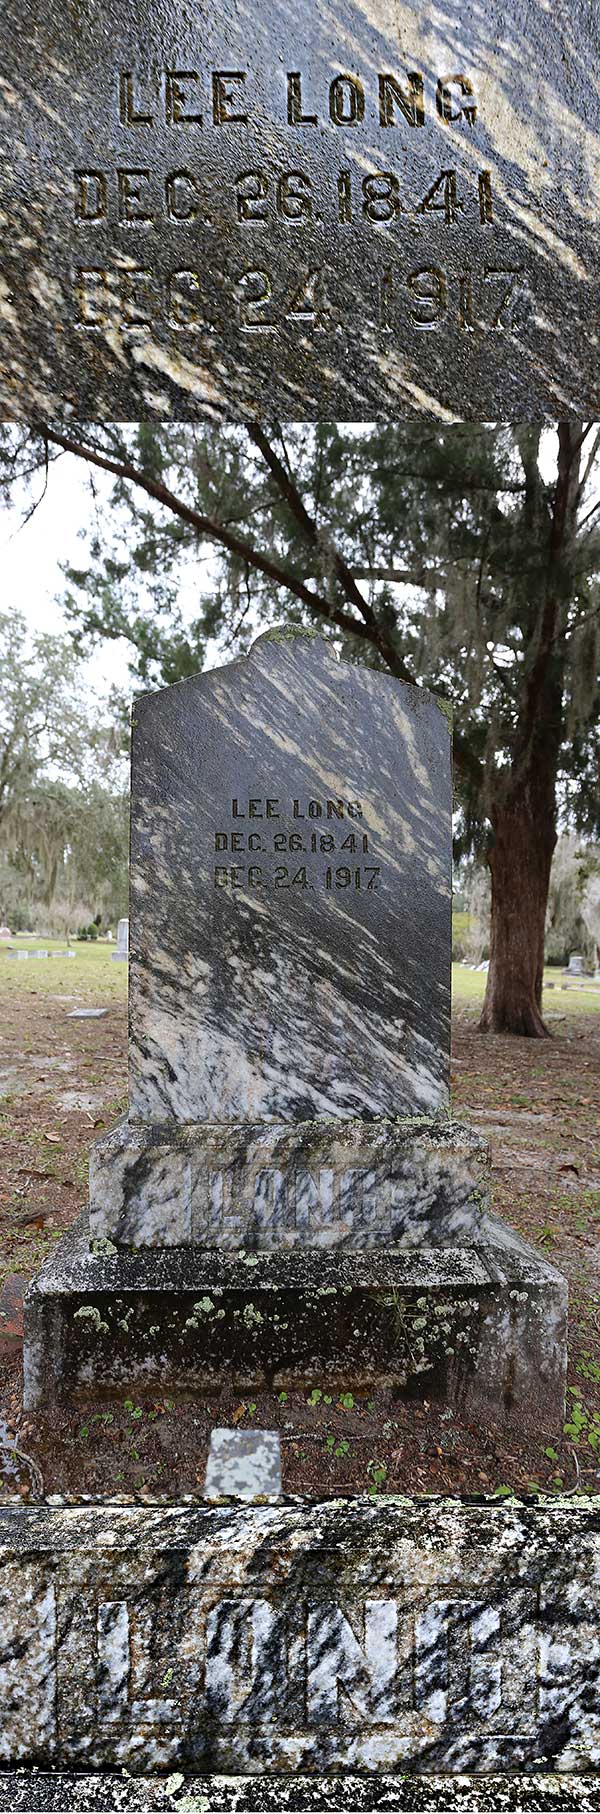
<point x="89" y="1792"/>
<point x="350" y="1184"/>
<point x="343" y="1637"/>
<point x="481" y="1327"/>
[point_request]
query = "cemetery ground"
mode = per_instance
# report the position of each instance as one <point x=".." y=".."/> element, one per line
<point x="63" y="1081"/>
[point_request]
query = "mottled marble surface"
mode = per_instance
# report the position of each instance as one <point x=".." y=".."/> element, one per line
<point x="384" y="208"/>
<point x="349" y="1635"/>
<point x="482" y="1327"/>
<point x="349" y="1184"/>
<point x="265" y="983"/>
<point x="243" y="1464"/>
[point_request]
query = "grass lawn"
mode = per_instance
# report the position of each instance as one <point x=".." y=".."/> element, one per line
<point x="89" y="974"/>
<point x="94" y="978"/>
<point x="468" y="990"/>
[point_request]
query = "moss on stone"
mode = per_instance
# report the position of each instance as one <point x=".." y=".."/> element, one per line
<point x="285" y="633"/>
<point x="445" y="706"/>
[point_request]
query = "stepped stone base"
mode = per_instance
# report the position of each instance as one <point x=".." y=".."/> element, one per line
<point x="482" y="1327"/>
<point x="342" y="1637"/>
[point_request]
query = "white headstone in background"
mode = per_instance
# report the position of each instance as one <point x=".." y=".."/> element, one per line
<point x="122" y="952"/>
<point x="590" y="914"/>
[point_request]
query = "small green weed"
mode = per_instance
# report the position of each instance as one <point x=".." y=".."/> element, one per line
<point x="582" y="1425"/>
<point x="377" y="1472"/>
<point x="337" y="1446"/>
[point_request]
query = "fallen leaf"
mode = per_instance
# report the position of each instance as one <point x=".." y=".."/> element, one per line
<point x="55" y="1138"/>
<point x="240" y="1412"/>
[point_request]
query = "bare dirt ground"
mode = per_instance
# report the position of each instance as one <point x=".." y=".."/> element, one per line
<point x="64" y="1080"/>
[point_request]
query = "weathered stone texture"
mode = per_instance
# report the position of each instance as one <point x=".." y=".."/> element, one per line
<point x="178" y="1793"/>
<point x="243" y="1464"/>
<point x="347" y="1636"/>
<point x="307" y="211"/>
<point x="352" y="1184"/>
<point x="483" y="1326"/>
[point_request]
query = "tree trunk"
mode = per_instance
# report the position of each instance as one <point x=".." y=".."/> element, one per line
<point x="519" y="863"/>
<point x="523" y="813"/>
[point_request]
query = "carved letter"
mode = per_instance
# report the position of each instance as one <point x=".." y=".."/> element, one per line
<point x="410" y="101"/>
<point x="335" y="1658"/>
<point x="346" y="101"/>
<point x="294" y="101"/>
<point x="223" y="98"/>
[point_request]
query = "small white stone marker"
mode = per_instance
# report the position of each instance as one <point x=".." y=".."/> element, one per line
<point x="243" y="1464"/>
<point x="87" y="1013"/>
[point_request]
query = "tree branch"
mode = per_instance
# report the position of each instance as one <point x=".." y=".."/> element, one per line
<point x="588" y="465"/>
<point x="289" y="490"/>
<point x="368" y="630"/>
<point x="208" y="527"/>
<point x="426" y="581"/>
<point x="589" y="514"/>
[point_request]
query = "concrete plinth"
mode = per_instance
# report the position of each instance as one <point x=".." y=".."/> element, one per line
<point x="482" y="1327"/>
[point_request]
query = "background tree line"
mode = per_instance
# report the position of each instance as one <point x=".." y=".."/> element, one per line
<point x="464" y="558"/>
<point x="572" y="913"/>
<point x="63" y="788"/>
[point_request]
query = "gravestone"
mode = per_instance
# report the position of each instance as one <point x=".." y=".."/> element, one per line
<point x="122" y="952"/>
<point x="576" y="964"/>
<point x="339" y="212"/>
<point x="368" y="1637"/>
<point x="288" y="1196"/>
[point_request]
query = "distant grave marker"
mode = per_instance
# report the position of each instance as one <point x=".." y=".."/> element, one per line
<point x="87" y="1013"/>
<point x="122" y="952"/>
